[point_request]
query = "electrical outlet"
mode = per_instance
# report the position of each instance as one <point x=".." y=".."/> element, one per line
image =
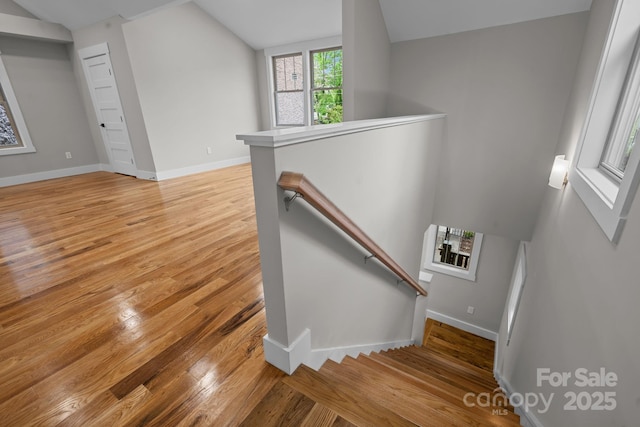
<point x="209" y="150"/>
<point x="470" y="309"/>
<point x="68" y="154"/>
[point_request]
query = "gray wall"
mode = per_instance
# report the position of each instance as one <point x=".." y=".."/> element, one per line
<point x="110" y="32"/>
<point x="367" y="53"/>
<point x="504" y="90"/>
<point x="263" y="89"/>
<point x="451" y="296"/>
<point x="196" y="82"/>
<point x="11" y="8"/>
<point x="42" y="78"/>
<point x="579" y="306"/>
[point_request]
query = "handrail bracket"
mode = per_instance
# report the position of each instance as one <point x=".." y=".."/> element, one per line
<point x="288" y="201"/>
<point x="296" y="182"/>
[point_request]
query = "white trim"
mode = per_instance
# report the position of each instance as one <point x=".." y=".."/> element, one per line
<point x="527" y="418"/>
<point x="607" y="201"/>
<point x="419" y="318"/>
<point x="289" y="136"/>
<point x="518" y="280"/>
<point x="146" y="175"/>
<point x="92" y="51"/>
<point x="18" y="118"/>
<point x="205" y="167"/>
<point x="304" y="48"/>
<point x="496" y="356"/>
<point x="43" y="176"/>
<point x="425" y="277"/>
<point x="430" y="247"/>
<point x="461" y="324"/>
<point x="319" y="356"/>
<point x="287" y="359"/>
<point x="21" y="26"/>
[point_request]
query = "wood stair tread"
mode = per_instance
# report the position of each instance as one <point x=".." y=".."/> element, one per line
<point x="433" y="361"/>
<point x="347" y="403"/>
<point x="451" y="393"/>
<point x="414" y="385"/>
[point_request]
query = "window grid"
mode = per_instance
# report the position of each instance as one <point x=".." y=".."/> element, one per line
<point x="288" y="82"/>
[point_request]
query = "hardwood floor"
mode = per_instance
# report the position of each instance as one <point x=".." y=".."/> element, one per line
<point x="427" y="385"/>
<point x="125" y="302"/>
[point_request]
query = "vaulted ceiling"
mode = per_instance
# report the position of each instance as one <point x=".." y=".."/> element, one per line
<point x="265" y="23"/>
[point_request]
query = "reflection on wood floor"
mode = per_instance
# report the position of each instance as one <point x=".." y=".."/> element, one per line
<point x="128" y="302"/>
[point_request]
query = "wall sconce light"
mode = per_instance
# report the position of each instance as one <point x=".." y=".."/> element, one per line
<point x="558" y="177"/>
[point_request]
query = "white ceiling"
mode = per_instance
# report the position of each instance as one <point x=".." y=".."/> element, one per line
<point x="266" y="23"/>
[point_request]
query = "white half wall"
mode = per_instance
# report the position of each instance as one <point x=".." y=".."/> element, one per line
<point x="314" y="276"/>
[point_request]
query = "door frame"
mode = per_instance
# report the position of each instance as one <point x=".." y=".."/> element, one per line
<point x="90" y="52"/>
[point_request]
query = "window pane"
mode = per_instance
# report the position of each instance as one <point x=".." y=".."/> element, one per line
<point x="288" y="73"/>
<point x="8" y="137"/>
<point x="628" y="148"/>
<point x="290" y="108"/>
<point x="453" y="247"/>
<point x="327" y="106"/>
<point x="327" y="68"/>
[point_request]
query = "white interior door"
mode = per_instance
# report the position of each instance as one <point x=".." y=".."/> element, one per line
<point x="106" y="102"/>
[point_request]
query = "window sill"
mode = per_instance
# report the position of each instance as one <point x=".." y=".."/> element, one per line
<point x="599" y="194"/>
<point x="450" y="271"/>
<point x="428" y="264"/>
<point x="601" y="184"/>
<point x="16" y="150"/>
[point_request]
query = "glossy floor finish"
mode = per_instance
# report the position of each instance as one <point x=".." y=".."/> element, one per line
<point x="127" y="302"/>
<point x="439" y="384"/>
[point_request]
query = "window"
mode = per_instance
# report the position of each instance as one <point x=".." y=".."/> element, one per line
<point x="515" y="293"/>
<point x="288" y="80"/>
<point x="306" y="83"/>
<point x="617" y="154"/>
<point x="14" y="137"/>
<point x="326" y="92"/>
<point x="452" y="251"/>
<point x="605" y="174"/>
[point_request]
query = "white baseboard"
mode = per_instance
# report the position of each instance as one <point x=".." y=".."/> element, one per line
<point x="319" y="356"/>
<point x="527" y="418"/>
<point x="205" y="167"/>
<point x="43" y="176"/>
<point x="105" y="167"/>
<point x="419" y="317"/>
<point x="287" y="359"/>
<point x="460" y="324"/>
<point x="146" y="175"/>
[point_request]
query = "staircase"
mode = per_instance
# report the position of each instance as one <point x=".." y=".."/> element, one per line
<point x="446" y="382"/>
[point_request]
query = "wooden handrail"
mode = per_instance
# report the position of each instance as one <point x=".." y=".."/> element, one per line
<point x="297" y="182"/>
